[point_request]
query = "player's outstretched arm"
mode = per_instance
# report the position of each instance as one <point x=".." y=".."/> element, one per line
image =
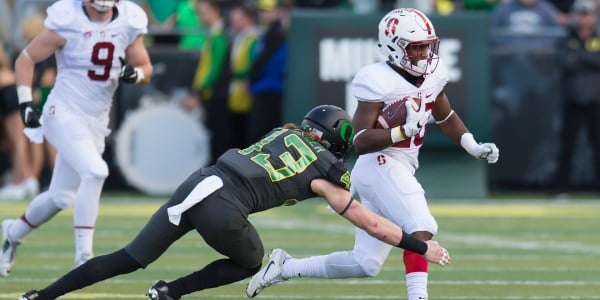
<point x="377" y="226"/>
<point x="453" y="126"/>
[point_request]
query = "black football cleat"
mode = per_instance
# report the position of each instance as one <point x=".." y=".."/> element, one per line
<point x="160" y="291"/>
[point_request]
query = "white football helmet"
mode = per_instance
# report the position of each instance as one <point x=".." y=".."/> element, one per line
<point x="103" y="5"/>
<point x="408" y="40"/>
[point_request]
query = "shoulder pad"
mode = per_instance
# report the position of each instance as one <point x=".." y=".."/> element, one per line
<point x="61" y="14"/>
<point x="135" y="15"/>
<point x="372" y="82"/>
<point x="441" y="71"/>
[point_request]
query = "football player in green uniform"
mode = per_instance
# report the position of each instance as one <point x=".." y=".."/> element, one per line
<point x="289" y="164"/>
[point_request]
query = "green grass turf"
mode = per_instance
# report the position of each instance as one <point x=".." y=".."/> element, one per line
<point x="501" y="248"/>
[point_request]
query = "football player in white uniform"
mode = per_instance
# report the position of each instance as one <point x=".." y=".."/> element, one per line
<point x="384" y="172"/>
<point x="97" y="43"/>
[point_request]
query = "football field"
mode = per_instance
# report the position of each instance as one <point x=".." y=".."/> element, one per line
<point x="502" y="248"/>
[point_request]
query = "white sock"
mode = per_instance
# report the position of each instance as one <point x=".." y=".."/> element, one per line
<point x="85" y="213"/>
<point x="416" y="285"/>
<point x="41" y="209"/>
<point x="84" y="240"/>
<point x="17" y="231"/>
<point x="313" y="266"/>
<point x="87" y="201"/>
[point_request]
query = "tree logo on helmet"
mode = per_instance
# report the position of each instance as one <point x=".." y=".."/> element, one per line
<point x="391" y="25"/>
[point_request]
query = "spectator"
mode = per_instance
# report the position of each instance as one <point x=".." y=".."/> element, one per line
<point x="6" y="21"/>
<point x="476" y="5"/>
<point x="245" y="35"/>
<point x="267" y="75"/>
<point x="524" y="33"/>
<point x="23" y="183"/>
<point x="211" y="82"/>
<point x="564" y="8"/>
<point x="580" y="56"/>
<point x="320" y="3"/>
<point x="525" y="24"/>
<point x="191" y="30"/>
<point x="597" y="15"/>
<point x="426" y="6"/>
<point x="99" y="45"/>
<point x="162" y="16"/>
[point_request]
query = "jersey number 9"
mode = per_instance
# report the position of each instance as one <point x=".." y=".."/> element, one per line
<point x="102" y="55"/>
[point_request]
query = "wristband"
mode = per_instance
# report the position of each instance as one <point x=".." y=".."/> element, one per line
<point x="26" y="54"/>
<point x="139" y="74"/>
<point x="467" y="141"/>
<point x="357" y="134"/>
<point x="446" y="118"/>
<point x="24" y="94"/>
<point x="397" y="135"/>
<point x="347" y="206"/>
<point x="410" y="243"/>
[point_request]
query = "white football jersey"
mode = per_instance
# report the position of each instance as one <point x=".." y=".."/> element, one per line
<point x="378" y="82"/>
<point x="88" y="64"/>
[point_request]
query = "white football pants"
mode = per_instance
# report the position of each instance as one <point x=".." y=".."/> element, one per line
<point x="389" y="188"/>
<point x="79" y="171"/>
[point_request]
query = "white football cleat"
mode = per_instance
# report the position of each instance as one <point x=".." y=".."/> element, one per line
<point x="8" y="252"/>
<point x="269" y="275"/>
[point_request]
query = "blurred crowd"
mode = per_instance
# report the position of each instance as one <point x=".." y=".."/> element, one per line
<point x="239" y="81"/>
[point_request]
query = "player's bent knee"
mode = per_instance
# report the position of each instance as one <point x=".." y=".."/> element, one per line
<point x="371" y="267"/>
<point x="98" y="170"/>
<point x="250" y="261"/>
<point x="63" y="199"/>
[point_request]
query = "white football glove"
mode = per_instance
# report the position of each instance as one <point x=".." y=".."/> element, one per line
<point x="487" y="151"/>
<point x="415" y="118"/>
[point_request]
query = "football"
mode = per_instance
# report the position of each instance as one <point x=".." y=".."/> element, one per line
<point x="394" y="114"/>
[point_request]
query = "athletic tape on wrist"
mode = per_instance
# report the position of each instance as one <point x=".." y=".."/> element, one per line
<point x="24" y="94"/>
<point x="397" y="135"/>
<point x="467" y="141"/>
<point x="140" y="74"/>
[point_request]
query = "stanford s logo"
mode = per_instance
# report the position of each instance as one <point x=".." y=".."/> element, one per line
<point x="391" y="27"/>
<point x="381" y="159"/>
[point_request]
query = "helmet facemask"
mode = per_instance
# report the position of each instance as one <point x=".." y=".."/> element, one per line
<point x="420" y="58"/>
<point x="103" y="6"/>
